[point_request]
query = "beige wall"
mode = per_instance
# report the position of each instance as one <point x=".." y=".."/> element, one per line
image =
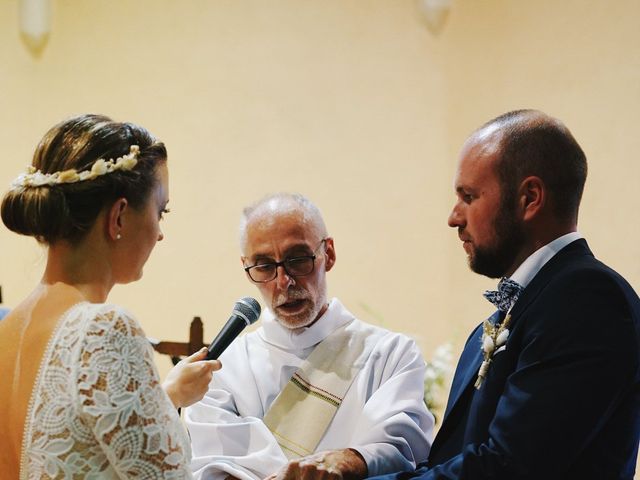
<point x="352" y="102"/>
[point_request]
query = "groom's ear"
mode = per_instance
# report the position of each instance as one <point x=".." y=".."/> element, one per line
<point x="116" y="218"/>
<point x="532" y="197"/>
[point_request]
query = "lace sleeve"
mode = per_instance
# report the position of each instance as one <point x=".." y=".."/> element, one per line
<point x="121" y="400"/>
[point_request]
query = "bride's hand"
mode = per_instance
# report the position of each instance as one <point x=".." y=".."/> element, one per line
<point x="188" y="381"/>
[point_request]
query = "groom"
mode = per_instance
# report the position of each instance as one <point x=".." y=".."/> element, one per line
<point x="549" y="386"/>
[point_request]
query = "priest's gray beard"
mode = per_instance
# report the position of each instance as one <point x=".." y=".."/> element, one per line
<point x="308" y="315"/>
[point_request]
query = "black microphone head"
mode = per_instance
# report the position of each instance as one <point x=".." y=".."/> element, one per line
<point x="248" y="309"/>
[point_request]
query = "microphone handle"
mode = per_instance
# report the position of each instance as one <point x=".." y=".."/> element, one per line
<point x="231" y="330"/>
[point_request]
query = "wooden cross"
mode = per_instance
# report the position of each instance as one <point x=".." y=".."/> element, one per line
<point x="176" y="349"/>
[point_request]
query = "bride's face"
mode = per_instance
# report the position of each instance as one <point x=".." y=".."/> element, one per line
<point x="141" y="229"/>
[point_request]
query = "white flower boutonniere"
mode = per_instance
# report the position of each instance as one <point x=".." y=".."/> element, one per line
<point x="494" y="339"/>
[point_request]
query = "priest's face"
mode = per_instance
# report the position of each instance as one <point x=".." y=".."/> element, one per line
<point x="285" y="234"/>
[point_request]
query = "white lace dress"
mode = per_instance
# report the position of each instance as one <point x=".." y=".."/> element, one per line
<point x="97" y="408"/>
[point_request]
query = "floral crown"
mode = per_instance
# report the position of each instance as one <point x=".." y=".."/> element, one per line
<point x="35" y="178"/>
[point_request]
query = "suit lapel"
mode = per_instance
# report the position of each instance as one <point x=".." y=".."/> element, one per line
<point x="467" y="369"/>
<point x="471" y="357"/>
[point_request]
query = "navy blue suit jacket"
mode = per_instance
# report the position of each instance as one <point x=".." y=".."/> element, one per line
<point x="563" y="399"/>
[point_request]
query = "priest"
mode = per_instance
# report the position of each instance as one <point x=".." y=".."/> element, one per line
<point x="314" y="392"/>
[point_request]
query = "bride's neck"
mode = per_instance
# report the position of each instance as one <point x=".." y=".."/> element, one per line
<point x="84" y="266"/>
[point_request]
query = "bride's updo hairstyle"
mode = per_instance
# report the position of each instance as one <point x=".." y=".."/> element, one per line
<point x="56" y="209"/>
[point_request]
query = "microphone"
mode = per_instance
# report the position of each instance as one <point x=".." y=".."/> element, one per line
<point x="245" y="312"/>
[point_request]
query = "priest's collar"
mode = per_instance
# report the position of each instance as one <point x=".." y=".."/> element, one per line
<point x="333" y="318"/>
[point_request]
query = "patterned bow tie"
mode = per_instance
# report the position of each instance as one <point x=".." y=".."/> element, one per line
<point x="506" y="296"/>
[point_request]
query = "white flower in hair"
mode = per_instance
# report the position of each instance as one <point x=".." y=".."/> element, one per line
<point x="35" y="178"/>
<point x="129" y="161"/>
<point x="40" y="179"/>
<point x="68" y="176"/>
<point x="99" y="168"/>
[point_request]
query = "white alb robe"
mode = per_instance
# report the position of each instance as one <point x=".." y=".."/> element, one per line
<point x="383" y="415"/>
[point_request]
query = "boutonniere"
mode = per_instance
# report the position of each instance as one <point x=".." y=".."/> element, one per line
<point x="494" y="339"/>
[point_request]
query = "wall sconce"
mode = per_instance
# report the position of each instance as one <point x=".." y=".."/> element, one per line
<point x="35" y="24"/>
<point x="435" y="13"/>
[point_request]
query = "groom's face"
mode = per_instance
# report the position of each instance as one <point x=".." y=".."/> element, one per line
<point x="485" y="216"/>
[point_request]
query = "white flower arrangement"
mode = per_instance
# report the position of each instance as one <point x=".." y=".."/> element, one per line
<point x="436" y="376"/>
<point x="35" y="178"/>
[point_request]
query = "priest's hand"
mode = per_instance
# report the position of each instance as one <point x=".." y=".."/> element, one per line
<point x="345" y="464"/>
<point x="188" y="381"/>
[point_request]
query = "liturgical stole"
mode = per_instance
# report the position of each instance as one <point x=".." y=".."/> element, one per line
<point x="303" y="410"/>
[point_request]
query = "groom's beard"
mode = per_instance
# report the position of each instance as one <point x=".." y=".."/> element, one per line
<point x="495" y="260"/>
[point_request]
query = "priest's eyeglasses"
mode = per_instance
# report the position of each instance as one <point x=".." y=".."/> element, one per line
<point x="294" y="266"/>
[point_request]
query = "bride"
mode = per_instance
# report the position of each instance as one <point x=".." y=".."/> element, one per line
<point x="80" y="396"/>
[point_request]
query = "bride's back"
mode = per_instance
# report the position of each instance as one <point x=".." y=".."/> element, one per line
<point x="24" y="335"/>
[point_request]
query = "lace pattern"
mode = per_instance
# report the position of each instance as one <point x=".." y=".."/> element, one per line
<point x="98" y="409"/>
